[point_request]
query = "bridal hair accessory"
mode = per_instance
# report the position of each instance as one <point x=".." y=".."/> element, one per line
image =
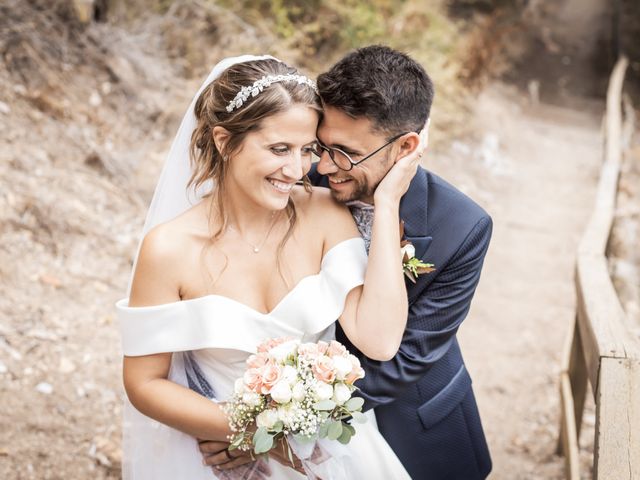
<point x="259" y="85"/>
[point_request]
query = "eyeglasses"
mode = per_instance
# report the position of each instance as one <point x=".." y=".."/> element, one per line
<point x="343" y="160"/>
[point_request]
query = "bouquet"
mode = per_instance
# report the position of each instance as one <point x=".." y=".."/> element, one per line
<point x="295" y="390"/>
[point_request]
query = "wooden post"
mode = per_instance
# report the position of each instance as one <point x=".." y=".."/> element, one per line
<point x="601" y="349"/>
<point x="617" y="446"/>
<point x="84" y="10"/>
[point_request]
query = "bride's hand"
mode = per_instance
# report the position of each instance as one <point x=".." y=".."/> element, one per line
<point x="396" y="182"/>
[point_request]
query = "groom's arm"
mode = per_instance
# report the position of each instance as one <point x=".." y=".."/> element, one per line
<point x="434" y="318"/>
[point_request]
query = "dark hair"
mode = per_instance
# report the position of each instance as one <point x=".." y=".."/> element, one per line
<point x="386" y="86"/>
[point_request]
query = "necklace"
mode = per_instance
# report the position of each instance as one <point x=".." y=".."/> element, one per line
<point x="256" y="248"/>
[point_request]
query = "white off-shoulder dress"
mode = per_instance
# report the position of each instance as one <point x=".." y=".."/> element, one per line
<point x="211" y="337"/>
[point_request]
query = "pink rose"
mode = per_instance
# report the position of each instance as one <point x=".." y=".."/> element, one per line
<point x="308" y="350"/>
<point x="253" y="379"/>
<point x="336" y="349"/>
<point x="354" y="375"/>
<point x="272" y="342"/>
<point x="257" y="361"/>
<point x="270" y="375"/>
<point x="322" y="347"/>
<point x="323" y="369"/>
<point x="356" y="370"/>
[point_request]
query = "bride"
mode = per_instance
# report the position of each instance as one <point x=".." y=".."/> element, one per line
<point x="235" y="252"/>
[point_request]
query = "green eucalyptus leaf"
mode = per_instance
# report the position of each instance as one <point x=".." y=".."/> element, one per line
<point x="354" y="403"/>
<point x="335" y="430"/>
<point x="326" y="405"/>
<point x="345" y="436"/>
<point x="263" y="444"/>
<point x="359" y="417"/>
<point x="346" y="426"/>
<point x="324" y="429"/>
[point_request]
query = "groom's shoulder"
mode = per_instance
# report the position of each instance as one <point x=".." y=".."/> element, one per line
<point x="446" y="198"/>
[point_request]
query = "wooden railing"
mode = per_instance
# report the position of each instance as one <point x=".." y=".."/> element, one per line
<point x="601" y="350"/>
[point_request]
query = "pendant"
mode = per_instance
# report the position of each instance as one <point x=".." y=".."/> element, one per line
<point x="256" y="249"/>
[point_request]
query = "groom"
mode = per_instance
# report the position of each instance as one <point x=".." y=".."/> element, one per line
<point x="423" y="400"/>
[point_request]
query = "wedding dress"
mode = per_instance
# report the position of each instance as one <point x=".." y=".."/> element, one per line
<point x="212" y="336"/>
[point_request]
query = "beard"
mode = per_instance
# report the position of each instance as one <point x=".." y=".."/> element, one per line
<point x="361" y="189"/>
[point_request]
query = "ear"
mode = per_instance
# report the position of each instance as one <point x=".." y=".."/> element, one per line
<point x="408" y="144"/>
<point x="220" y="137"/>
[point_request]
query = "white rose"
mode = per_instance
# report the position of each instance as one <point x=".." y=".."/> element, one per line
<point x="299" y="392"/>
<point x="290" y="374"/>
<point x="282" y="351"/>
<point x="238" y="386"/>
<point x="251" y="398"/>
<point x="323" y="391"/>
<point x="281" y="392"/>
<point x="286" y="413"/>
<point x="409" y="250"/>
<point x="342" y="366"/>
<point x="267" y="418"/>
<point x="341" y="393"/>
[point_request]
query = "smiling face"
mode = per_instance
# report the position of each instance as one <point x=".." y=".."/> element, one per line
<point x="273" y="158"/>
<point x="356" y="137"/>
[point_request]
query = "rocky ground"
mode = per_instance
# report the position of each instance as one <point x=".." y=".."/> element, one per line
<point x="86" y="116"/>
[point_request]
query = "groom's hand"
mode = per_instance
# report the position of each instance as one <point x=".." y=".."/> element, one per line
<point x="217" y="454"/>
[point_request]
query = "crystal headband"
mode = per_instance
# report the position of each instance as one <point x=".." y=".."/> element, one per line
<point x="259" y="85"/>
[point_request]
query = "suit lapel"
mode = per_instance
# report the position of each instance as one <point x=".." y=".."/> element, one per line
<point x="413" y="211"/>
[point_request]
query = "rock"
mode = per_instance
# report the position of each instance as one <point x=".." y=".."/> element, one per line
<point x="41" y="334"/>
<point x="4" y="108"/>
<point x="66" y="365"/>
<point x="95" y="100"/>
<point x="3" y="367"/>
<point x="50" y="280"/>
<point x="44" y="387"/>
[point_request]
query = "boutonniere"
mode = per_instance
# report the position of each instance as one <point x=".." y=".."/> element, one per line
<point x="413" y="267"/>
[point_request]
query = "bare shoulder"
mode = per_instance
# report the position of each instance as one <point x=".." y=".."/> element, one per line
<point x="156" y="278"/>
<point x="329" y="218"/>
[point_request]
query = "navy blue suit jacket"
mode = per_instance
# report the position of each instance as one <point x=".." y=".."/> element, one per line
<point x="423" y="399"/>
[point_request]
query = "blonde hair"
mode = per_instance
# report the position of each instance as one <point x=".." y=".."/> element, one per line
<point x="207" y="162"/>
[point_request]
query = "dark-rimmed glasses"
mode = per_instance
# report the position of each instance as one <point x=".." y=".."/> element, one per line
<point x="342" y="160"/>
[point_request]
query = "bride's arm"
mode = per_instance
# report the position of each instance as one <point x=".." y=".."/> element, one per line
<point x="145" y="377"/>
<point x="375" y="314"/>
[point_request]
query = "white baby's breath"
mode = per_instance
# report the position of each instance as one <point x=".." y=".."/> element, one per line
<point x="251" y="399"/>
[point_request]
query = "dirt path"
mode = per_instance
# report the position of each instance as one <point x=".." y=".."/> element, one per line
<point x="535" y="170"/>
